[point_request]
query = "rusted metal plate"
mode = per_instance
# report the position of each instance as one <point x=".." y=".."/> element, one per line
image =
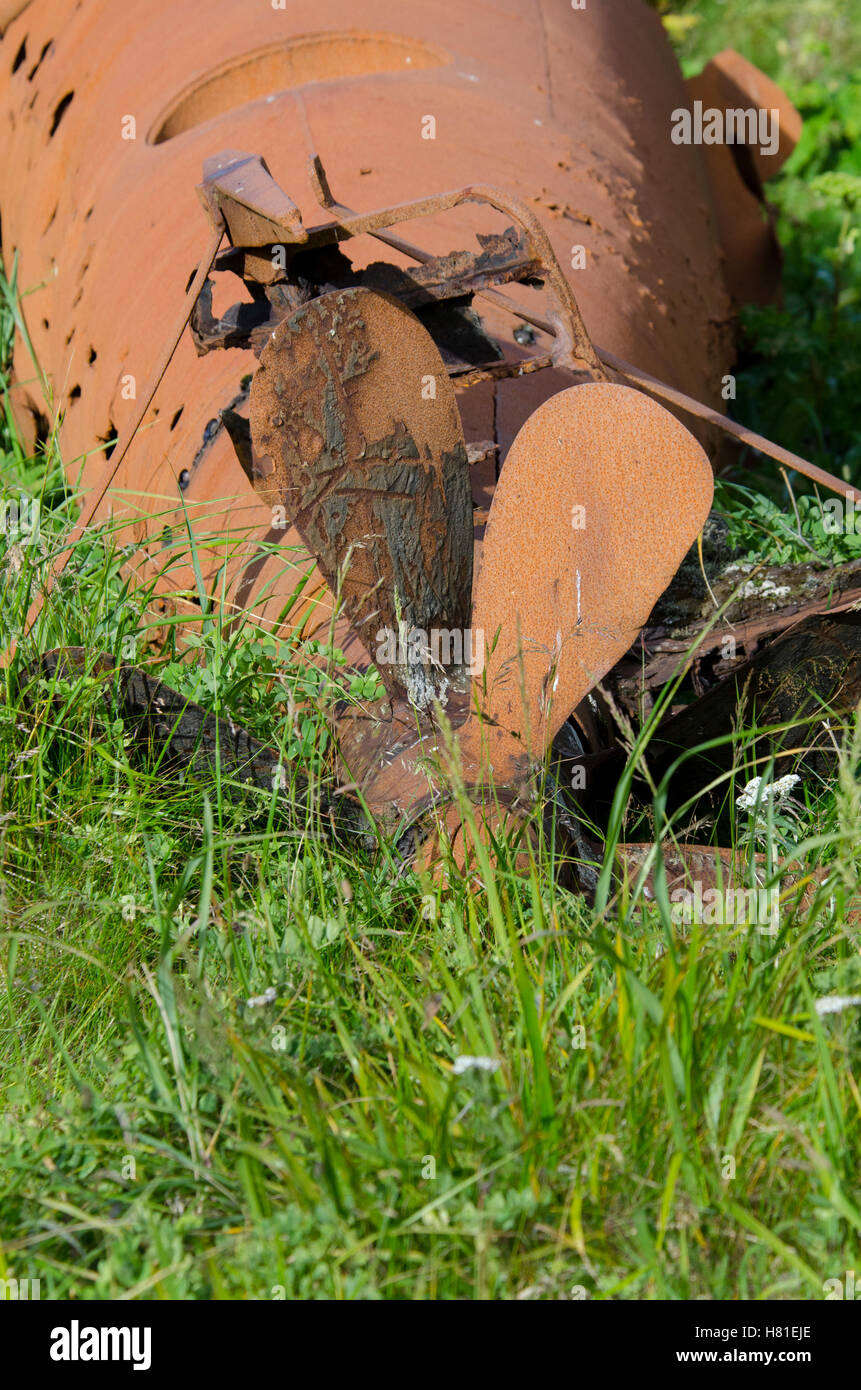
<point x="737" y="171"/>
<point x="560" y="597"/>
<point x="356" y="433"/>
<point x="502" y="258"/>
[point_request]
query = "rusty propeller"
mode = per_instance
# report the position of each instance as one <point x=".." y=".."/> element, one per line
<point x="374" y="474"/>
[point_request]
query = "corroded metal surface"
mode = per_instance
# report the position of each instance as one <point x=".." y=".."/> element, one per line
<point x="601" y="490"/>
<point x="737" y="173"/>
<point x="356" y="432"/>
<point x="557" y="109"/>
<point x="625" y="488"/>
<point x="108" y="128"/>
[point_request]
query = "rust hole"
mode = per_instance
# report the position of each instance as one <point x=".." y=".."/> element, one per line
<point x="92" y="356"/>
<point x="41" y="425"/>
<point x="109" y="439"/>
<point x="45" y="47"/>
<point x="75" y="393"/>
<point x="280" y="67"/>
<point x="20" y="56"/>
<point x="59" y="112"/>
<point x="176" y="415"/>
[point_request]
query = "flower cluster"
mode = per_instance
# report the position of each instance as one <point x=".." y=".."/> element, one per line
<point x="774" y="791"/>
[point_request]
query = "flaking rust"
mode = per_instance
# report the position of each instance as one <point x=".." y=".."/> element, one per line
<point x="366" y="452"/>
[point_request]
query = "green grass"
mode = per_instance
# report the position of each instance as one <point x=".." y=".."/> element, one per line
<point x="668" y="1117"/>
<point x="799" y="378"/>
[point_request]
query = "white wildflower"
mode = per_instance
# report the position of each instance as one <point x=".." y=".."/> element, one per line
<point x="464" y="1064"/>
<point x="257" y="1001"/>
<point x="836" y="1003"/>
<point x="748" y="798"/>
<point x="774" y="791"/>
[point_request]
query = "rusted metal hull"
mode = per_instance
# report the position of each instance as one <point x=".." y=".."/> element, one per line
<point x="567" y="110"/>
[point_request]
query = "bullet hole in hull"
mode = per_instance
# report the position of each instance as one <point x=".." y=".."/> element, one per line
<point x="109" y="439"/>
<point x="93" y="355"/>
<point x="42" y="56"/>
<point x="59" y="112"/>
<point x="176" y="416"/>
<point x="20" y="56"/>
<point x="184" y="479"/>
<point x="41" y="425"/>
<point x="75" y="393"/>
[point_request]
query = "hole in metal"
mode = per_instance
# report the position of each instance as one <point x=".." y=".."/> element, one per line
<point x="60" y="111"/>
